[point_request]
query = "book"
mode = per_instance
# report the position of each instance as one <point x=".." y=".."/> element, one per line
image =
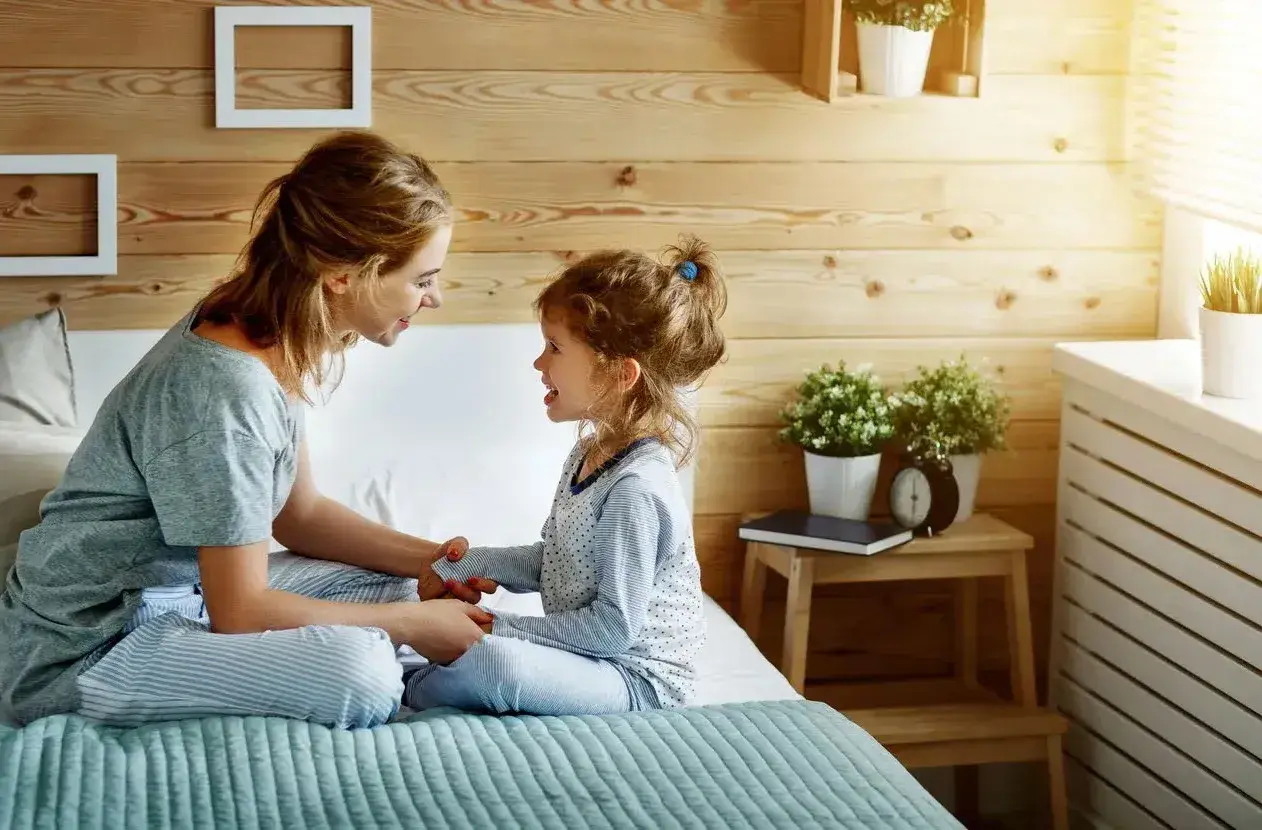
<point x="794" y="528"/>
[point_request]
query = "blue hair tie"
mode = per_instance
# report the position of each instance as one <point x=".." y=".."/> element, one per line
<point x="688" y="270"/>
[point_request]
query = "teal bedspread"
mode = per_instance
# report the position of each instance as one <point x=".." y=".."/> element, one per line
<point x="788" y="764"/>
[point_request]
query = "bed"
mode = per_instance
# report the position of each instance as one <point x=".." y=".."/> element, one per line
<point x="750" y="753"/>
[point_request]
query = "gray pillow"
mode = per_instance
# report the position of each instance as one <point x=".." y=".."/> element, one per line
<point x="36" y="375"/>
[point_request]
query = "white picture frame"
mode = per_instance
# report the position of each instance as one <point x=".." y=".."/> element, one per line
<point x="105" y="261"/>
<point x="228" y="18"/>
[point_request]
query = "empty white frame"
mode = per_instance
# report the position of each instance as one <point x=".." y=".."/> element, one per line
<point x="105" y="261"/>
<point x="228" y="18"/>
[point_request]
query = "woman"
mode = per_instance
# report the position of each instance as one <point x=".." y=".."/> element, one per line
<point x="147" y="591"/>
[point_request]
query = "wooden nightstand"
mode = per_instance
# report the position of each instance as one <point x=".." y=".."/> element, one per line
<point x="979" y="729"/>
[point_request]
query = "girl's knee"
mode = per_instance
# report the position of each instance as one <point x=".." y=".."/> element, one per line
<point x="491" y="669"/>
<point x="474" y="681"/>
<point x="490" y="659"/>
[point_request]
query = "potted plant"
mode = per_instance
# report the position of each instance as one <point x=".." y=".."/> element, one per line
<point x="895" y="38"/>
<point x="952" y="412"/>
<point x="1231" y="325"/>
<point x="841" y="420"/>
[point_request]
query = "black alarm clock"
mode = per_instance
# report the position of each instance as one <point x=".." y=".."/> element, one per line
<point x="924" y="496"/>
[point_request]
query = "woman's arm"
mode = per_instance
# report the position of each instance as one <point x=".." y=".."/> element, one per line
<point x="213" y="491"/>
<point x="319" y="527"/>
<point x="235" y="586"/>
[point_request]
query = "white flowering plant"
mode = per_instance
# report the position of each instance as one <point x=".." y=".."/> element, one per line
<point x="917" y="15"/>
<point x="839" y="412"/>
<point x="951" y="409"/>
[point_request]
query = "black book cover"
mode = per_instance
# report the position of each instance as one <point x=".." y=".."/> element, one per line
<point x="801" y="529"/>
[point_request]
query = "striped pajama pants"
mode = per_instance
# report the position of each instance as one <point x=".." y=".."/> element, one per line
<point x="170" y="666"/>
<point x="504" y="675"/>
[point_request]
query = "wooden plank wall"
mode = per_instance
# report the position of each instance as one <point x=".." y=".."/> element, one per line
<point x="894" y="232"/>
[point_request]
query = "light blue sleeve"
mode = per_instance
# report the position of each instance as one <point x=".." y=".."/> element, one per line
<point x="515" y="568"/>
<point x="626" y="540"/>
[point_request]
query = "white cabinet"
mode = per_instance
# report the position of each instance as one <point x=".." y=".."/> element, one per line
<point x="1157" y="620"/>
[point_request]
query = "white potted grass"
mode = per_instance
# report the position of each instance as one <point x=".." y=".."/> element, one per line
<point x="1231" y="326"/>
<point x="895" y="38"/>
<point x="842" y="421"/>
<point x="952" y="412"/>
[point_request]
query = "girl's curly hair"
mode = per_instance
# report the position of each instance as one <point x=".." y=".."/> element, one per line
<point x="664" y="315"/>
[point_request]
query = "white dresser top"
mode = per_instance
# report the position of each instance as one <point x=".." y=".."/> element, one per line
<point x="1163" y="377"/>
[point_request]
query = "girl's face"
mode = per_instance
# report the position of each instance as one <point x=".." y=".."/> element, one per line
<point x="381" y="315"/>
<point x="568" y="366"/>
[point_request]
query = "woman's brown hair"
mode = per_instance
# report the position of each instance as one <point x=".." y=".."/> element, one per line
<point x="354" y="202"/>
<point x="664" y="315"/>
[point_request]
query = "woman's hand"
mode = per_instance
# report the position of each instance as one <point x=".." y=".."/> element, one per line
<point x="429" y="585"/>
<point x="442" y="630"/>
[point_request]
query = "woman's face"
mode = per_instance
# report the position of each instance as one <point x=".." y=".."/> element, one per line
<point x="381" y="315"/>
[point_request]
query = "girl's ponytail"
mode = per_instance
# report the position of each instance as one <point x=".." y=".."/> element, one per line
<point x="694" y="262"/>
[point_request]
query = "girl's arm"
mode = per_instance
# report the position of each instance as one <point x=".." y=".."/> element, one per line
<point x="516" y="568"/>
<point x="626" y="540"/>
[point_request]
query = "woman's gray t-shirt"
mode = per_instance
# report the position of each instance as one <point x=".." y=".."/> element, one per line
<point x="197" y="446"/>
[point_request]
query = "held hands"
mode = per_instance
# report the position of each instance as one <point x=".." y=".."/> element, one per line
<point x="449" y="621"/>
<point x="444" y="629"/>
<point x="429" y="585"/>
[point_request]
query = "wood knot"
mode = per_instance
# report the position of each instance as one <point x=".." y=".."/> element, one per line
<point x="1092" y="302"/>
<point x="27" y="193"/>
<point x="155" y="288"/>
<point x="53" y="299"/>
<point x="874" y="288"/>
<point x="1004" y="299"/>
<point x="1061" y="144"/>
<point x="961" y="233"/>
<point x="830" y="261"/>
<point x="627" y="176"/>
<point x="1048" y="274"/>
<point x="567" y="256"/>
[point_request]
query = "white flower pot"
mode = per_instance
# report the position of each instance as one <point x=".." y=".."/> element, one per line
<point x="967" y="470"/>
<point x="842" y="487"/>
<point x="893" y="59"/>
<point x="1230" y="347"/>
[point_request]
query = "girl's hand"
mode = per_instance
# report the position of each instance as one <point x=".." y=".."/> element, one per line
<point x="429" y="585"/>
<point x="442" y="630"/>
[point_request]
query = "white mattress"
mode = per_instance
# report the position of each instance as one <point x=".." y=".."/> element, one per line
<point x="730" y="667"/>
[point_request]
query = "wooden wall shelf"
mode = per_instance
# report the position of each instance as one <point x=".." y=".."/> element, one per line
<point x="830" y="54"/>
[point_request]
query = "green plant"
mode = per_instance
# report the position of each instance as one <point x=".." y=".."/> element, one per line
<point x="951" y="409"/>
<point x="841" y="413"/>
<point x="1233" y="283"/>
<point x="917" y="15"/>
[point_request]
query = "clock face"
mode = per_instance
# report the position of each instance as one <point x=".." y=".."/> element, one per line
<point x="910" y="498"/>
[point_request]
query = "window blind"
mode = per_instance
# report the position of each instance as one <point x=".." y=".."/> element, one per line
<point x="1196" y="105"/>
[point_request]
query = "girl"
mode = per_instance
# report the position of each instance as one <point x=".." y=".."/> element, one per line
<point x="147" y="592"/>
<point x="616" y="568"/>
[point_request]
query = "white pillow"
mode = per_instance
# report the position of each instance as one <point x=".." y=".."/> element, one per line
<point x="33" y="458"/>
